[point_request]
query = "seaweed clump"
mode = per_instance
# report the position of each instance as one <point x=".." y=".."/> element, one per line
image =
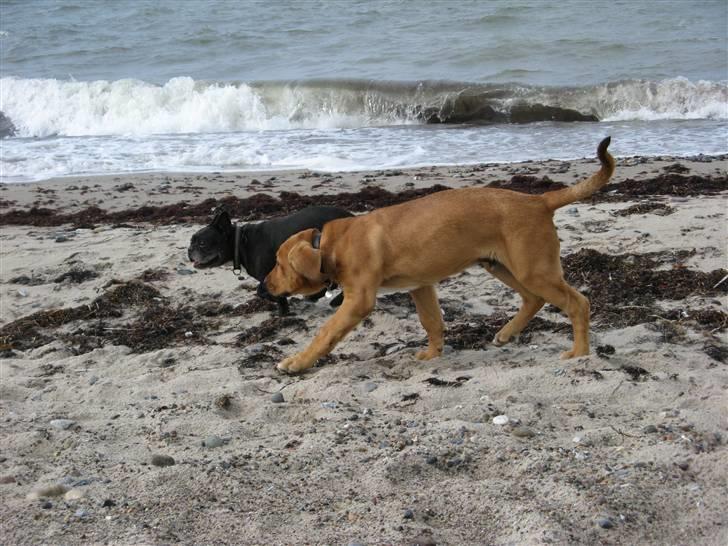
<point x="661" y="209"/>
<point x="528" y="184"/>
<point x="76" y="275"/>
<point x="713" y="319"/>
<point x="157" y="327"/>
<point x="24" y="333"/>
<point x="477" y="331"/>
<point x="253" y="305"/>
<point x="154" y="275"/>
<point x="623" y="289"/>
<point x="664" y="184"/>
<point x="268" y="329"/>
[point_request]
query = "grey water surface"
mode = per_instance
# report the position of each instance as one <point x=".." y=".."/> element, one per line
<point x="134" y="85"/>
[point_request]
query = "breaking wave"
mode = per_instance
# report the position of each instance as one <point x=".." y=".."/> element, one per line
<point x="46" y="107"/>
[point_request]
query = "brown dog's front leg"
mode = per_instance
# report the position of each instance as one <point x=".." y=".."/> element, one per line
<point x="355" y="307"/>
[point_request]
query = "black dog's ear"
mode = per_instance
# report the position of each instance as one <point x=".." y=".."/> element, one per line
<point x="221" y="221"/>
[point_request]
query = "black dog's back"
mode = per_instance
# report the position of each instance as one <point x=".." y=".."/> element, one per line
<point x="263" y="239"/>
<point x="310" y="217"/>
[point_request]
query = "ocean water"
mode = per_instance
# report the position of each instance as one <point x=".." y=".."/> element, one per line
<point x="136" y="85"/>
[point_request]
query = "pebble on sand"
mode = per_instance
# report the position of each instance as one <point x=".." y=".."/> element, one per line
<point x="371" y="386"/>
<point x="277" y="398"/>
<point x="423" y="540"/>
<point x="500" y="420"/>
<point x="62" y="424"/>
<point x="213" y="441"/>
<point x="54" y="490"/>
<point x="523" y="432"/>
<point x="74" y="494"/>
<point x="605" y="523"/>
<point x="162" y="460"/>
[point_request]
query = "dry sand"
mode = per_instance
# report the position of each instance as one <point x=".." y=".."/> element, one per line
<point x="372" y="446"/>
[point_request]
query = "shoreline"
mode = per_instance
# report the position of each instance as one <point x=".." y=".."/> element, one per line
<point x="158" y="189"/>
<point x="119" y="358"/>
<point x="96" y="177"/>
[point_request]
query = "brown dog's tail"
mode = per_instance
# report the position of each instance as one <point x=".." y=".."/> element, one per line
<point x="559" y="198"/>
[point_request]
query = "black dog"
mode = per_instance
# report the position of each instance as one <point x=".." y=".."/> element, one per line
<point x="257" y="244"/>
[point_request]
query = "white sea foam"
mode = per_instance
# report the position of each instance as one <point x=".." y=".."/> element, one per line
<point x="27" y="159"/>
<point x="45" y="107"/>
<point x="69" y="128"/>
<point x="676" y="98"/>
<point x="52" y="107"/>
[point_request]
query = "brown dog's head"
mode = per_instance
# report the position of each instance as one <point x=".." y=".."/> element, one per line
<point x="298" y="267"/>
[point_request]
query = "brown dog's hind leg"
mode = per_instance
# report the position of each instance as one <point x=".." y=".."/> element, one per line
<point x="428" y="309"/>
<point x="356" y="306"/>
<point x="533" y="259"/>
<point x="530" y="306"/>
<point x="574" y="304"/>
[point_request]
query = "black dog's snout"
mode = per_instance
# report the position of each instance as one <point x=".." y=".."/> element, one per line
<point x="263" y="292"/>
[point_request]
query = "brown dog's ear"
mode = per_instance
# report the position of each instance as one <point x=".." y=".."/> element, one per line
<point x="306" y="260"/>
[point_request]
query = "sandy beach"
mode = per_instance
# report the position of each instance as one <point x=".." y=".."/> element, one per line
<point x="140" y="404"/>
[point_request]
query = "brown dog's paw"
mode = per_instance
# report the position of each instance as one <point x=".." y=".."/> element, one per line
<point x="498" y="342"/>
<point x="427" y="354"/>
<point x="566" y="355"/>
<point x="293" y="364"/>
<point x="283" y="365"/>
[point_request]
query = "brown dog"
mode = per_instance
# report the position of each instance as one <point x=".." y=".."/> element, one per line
<point x="413" y="246"/>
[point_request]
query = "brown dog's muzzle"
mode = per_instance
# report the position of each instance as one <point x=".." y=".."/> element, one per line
<point x="271" y="287"/>
<point x="264" y="293"/>
<point x="298" y="267"/>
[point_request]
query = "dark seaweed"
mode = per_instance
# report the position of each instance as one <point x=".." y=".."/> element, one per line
<point x="261" y="206"/>
<point x="623" y="288"/>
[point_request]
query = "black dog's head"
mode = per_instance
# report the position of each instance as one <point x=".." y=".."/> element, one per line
<point x="212" y="246"/>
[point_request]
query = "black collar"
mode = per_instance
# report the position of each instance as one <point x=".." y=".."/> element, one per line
<point x="239" y="236"/>
<point x="316" y="243"/>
